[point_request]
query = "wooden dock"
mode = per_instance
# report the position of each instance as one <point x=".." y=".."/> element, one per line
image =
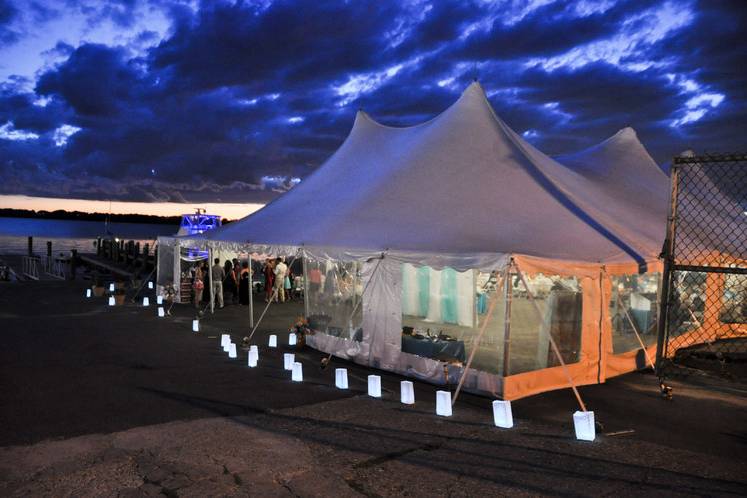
<point x="100" y="263"/>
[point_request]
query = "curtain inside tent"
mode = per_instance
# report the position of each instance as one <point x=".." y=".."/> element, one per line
<point x="444" y="296"/>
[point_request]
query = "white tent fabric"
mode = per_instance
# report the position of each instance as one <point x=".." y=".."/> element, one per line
<point x="621" y="179"/>
<point x="459" y="193"/>
<point x="461" y="184"/>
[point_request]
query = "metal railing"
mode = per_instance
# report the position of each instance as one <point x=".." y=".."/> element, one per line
<point x="703" y="311"/>
<point x="30" y="267"/>
<point x="55" y="267"/>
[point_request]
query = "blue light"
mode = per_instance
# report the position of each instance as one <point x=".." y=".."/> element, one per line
<point x="199" y="223"/>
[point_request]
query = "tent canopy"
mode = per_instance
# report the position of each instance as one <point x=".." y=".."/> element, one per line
<point x="462" y="183"/>
<point x="621" y="179"/>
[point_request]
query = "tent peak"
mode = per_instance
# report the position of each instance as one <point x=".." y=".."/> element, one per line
<point x="474" y="88"/>
<point x="627" y="133"/>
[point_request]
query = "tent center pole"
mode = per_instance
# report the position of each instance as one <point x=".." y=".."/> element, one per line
<point x="251" y="292"/>
<point x="508" y="295"/>
<point x="210" y="278"/>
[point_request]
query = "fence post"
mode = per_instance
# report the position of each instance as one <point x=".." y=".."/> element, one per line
<point x="666" y="280"/>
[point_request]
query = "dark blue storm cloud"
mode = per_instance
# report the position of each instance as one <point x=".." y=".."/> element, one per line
<point x="236" y="101"/>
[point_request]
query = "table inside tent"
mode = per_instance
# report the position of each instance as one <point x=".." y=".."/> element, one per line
<point x="438" y="349"/>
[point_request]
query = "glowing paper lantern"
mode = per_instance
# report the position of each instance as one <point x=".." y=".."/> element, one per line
<point x="146" y="301"/>
<point x="232" y="351"/>
<point x="111" y="287"/>
<point x="195" y="325"/>
<point x="288" y="359"/>
<point x="374" y="386"/>
<point x="341" y="378"/>
<point x="159" y="299"/>
<point x="254" y="348"/>
<point x="297" y="375"/>
<point x="292" y="339"/>
<point x="273" y="343"/>
<point x="253" y="357"/>
<point x="150" y="285"/>
<point x="161" y="312"/>
<point x="406" y="392"/>
<point x="225" y="340"/>
<point x="88" y="292"/>
<point x="111" y="301"/>
<point x="443" y="403"/>
<point x="584" y="424"/>
<point x="502" y="415"/>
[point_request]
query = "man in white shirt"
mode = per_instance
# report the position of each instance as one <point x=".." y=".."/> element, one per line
<point x="281" y="269"/>
<point x="219" y="275"/>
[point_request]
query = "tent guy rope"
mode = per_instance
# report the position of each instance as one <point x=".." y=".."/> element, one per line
<point x="552" y="341"/>
<point x="491" y="307"/>
<point x="272" y="298"/>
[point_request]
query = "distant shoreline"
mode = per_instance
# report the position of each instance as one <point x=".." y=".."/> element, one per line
<point x="81" y="216"/>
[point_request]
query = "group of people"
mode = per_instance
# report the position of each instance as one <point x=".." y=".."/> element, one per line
<point x="233" y="278"/>
<point x="279" y="279"/>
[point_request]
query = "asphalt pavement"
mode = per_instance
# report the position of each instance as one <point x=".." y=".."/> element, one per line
<point x="77" y="378"/>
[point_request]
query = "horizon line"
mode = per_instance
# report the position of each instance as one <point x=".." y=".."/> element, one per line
<point x="228" y="210"/>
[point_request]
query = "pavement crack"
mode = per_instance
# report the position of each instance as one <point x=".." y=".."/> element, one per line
<point x="372" y="462"/>
<point x="285" y="484"/>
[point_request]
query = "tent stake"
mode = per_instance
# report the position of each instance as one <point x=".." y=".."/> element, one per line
<point x="552" y="341"/>
<point x="484" y="327"/>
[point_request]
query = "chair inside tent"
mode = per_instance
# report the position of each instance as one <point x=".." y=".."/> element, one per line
<point x="455" y="241"/>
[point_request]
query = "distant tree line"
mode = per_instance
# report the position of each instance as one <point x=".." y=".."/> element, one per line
<point x="61" y="214"/>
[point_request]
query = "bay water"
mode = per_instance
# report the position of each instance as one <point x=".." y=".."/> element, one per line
<point x="71" y="234"/>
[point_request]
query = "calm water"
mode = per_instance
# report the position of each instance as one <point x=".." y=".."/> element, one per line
<point x="70" y="234"/>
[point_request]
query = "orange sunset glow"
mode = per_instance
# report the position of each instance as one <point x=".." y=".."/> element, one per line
<point x="226" y="210"/>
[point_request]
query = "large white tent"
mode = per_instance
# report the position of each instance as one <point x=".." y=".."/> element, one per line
<point x="423" y="218"/>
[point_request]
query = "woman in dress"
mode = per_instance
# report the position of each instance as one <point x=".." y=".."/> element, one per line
<point x="244" y="291"/>
<point x="237" y="278"/>
<point x="230" y="284"/>
<point x="198" y="285"/>
<point x="269" y="279"/>
<point x="287" y="285"/>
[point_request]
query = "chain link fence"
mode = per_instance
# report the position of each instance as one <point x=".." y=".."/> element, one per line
<point x="704" y="289"/>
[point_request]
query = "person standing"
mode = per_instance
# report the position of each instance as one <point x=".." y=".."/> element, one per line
<point x="245" y="293"/>
<point x="287" y="284"/>
<point x="269" y="279"/>
<point x="237" y="279"/>
<point x="229" y="281"/>
<point x="280" y="270"/>
<point x="218" y="276"/>
<point x="198" y="285"/>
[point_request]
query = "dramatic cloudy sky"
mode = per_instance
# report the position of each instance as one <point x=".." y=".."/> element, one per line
<point x="169" y="100"/>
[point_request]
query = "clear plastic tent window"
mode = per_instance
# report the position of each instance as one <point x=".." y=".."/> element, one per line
<point x="560" y="302"/>
<point x="634" y="310"/>
<point x="443" y="312"/>
<point x="334" y="291"/>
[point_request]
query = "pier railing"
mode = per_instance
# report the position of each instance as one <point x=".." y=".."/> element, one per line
<point x="30" y="267"/>
<point x="56" y="267"/>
